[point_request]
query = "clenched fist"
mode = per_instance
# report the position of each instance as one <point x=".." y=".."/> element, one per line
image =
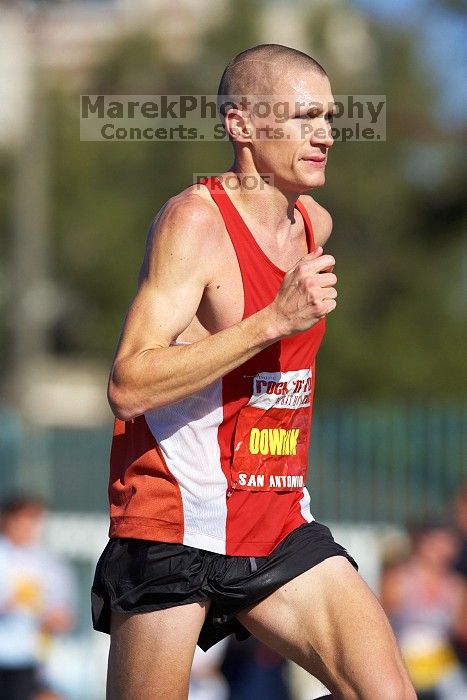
<point x="307" y="293"/>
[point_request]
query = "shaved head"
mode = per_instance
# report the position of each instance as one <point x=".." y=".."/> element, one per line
<point x="260" y="70"/>
<point x="276" y="105"/>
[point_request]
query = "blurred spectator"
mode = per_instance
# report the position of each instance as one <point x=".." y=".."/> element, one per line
<point x="36" y="601"/>
<point x="422" y="597"/>
<point x="206" y="680"/>
<point x="460" y="514"/>
<point x="254" y="671"/>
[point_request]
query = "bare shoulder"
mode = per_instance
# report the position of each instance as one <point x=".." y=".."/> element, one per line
<point x="187" y="230"/>
<point x="189" y="218"/>
<point x="320" y="218"/>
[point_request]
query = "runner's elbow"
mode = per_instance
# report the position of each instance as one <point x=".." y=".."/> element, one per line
<point x="119" y="406"/>
<point x="121" y="411"/>
<point x="127" y="398"/>
<point x="121" y="399"/>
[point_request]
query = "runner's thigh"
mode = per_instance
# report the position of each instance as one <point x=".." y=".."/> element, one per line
<point x="329" y="622"/>
<point x="151" y="653"/>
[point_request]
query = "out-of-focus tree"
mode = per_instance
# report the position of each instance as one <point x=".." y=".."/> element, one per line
<point x="5" y="169"/>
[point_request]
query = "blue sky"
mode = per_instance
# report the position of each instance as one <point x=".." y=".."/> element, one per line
<point x="441" y="44"/>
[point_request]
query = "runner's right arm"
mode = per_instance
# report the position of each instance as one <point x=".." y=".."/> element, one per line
<point x="147" y="371"/>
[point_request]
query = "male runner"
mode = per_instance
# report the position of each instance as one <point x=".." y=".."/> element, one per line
<point x="212" y="387"/>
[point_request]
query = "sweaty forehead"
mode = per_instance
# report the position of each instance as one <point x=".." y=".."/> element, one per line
<point x="283" y="80"/>
<point x="303" y="84"/>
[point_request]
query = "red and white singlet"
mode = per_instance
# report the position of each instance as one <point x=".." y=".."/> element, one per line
<point x="224" y="469"/>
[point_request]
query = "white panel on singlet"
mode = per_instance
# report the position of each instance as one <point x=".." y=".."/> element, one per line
<point x="305" y="506"/>
<point x="186" y="432"/>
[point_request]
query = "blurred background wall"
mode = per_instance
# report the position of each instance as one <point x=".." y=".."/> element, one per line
<point x="389" y="434"/>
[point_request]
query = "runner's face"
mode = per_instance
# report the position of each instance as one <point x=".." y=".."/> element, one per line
<point x="292" y="141"/>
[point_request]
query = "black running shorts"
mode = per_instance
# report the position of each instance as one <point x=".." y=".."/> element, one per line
<point x="136" y="576"/>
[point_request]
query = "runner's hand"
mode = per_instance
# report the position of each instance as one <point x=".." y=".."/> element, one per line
<point x="307" y="293"/>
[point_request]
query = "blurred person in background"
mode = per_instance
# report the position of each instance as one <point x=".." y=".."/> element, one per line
<point x="422" y="597"/>
<point x="460" y="565"/>
<point x="460" y="516"/>
<point x="253" y="670"/>
<point x="36" y="601"/>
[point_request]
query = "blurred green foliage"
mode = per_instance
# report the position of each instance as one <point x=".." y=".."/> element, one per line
<point x="399" y="329"/>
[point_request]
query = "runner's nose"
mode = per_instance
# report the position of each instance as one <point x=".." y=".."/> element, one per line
<point x="322" y="133"/>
